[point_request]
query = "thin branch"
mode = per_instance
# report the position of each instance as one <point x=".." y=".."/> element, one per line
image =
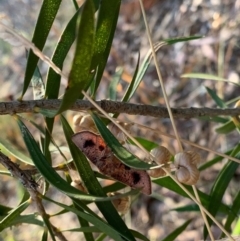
<point x="31" y="106"/>
<point x="29" y="183"/>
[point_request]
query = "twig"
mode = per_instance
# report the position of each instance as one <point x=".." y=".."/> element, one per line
<point x="32" y="106"/>
<point x="26" y="179"/>
<point x="30" y="184"/>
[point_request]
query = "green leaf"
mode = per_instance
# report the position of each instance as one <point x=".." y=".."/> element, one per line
<point x="114" y="187"/>
<point x="29" y="219"/>
<point x="93" y="186"/>
<point x="236" y="230"/>
<point x="46" y="112"/>
<point x="106" y="24"/>
<point x="181" y="39"/>
<point x="80" y="73"/>
<point x="4" y="210"/>
<point x="131" y="90"/>
<point x="207" y="77"/>
<point x="215" y="160"/>
<point x="45" y="235"/>
<point x="96" y="4"/>
<point x="65" y="42"/>
<point x="83" y="166"/>
<point x="187" y="208"/>
<point x="49" y="226"/>
<point x="38" y="85"/>
<point x="138" y="75"/>
<point x="6" y="222"/>
<point x="220" y="185"/>
<point x="81" y="163"/>
<point x="7" y="173"/>
<point x="172" y="236"/>
<point x="75" y="4"/>
<point x="82" y="222"/>
<point x="121" y="153"/>
<point x="148" y="145"/>
<point x="226" y="128"/>
<point x="53" y="79"/>
<point x="8" y="148"/>
<point x="139" y="235"/>
<point x="113" y="84"/>
<point x="83" y="229"/>
<point x="48" y="172"/>
<point x="103" y="226"/>
<point x="216" y="98"/>
<point x="234" y="215"/>
<point x="25" y="196"/>
<point x="168" y="183"/>
<point x="216" y="119"/>
<point x="45" y="20"/>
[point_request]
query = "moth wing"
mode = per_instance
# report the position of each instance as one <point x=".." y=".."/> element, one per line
<point x="134" y="178"/>
<point x="96" y="150"/>
<point x="91" y="144"/>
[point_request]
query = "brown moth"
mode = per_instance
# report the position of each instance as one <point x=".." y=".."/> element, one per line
<point x="97" y="151"/>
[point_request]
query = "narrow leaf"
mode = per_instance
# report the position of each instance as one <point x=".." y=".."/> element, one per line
<point x="93" y="186"/>
<point x="8" y="148"/>
<point x="172" y="236"/>
<point x="49" y="226"/>
<point x="83" y="229"/>
<point x="168" y="183"/>
<point x="181" y="39"/>
<point x="220" y="186"/>
<point x="104" y="227"/>
<point x="53" y="79"/>
<point x="187" y="208"/>
<point x="82" y="222"/>
<point x="121" y="153"/>
<point x="131" y="90"/>
<point x="65" y="42"/>
<point x="138" y="75"/>
<point x="216" y="98"/>
<point x="213" y="161"/>
<point x="80" y="73"/>
<point x="106" y="24"/>
<point x="148" y="145"/>
<point x="113" y="84"/>
<point x="48" y="172"/>
<point x="28" y="219"/>
<point x="6" y="222"/>
<point x="139" y="235"/>
<point x="4" y="210"/>
<point x="207" y="77"/>
<point x="236" y="230"/>
<point x="226" y="128"/>
<point x="38" y="85"/>
<point x="234" y="215"/>
<point x="45" y="235"/>
<point x="45" y="20"/>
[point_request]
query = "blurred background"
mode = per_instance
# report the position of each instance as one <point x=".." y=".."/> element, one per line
<point x="216" y="53"/>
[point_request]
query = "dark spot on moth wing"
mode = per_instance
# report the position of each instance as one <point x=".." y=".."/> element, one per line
<point x="141" y="179"/>
<point x="127" y="167"/>
<point x="87" y="139"/>
<point x="101" y="148"/>
<point x="133" y="178"/>
<point x="136" y="177"/>
<point x="91" y="144"/>
<point x="88" y="143"/>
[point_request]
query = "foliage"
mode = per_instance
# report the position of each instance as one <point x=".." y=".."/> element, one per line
<point x="94" y="38"/>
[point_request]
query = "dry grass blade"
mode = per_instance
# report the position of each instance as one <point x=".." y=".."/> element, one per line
<point x="197" y="200"/>
<point x="9" y="34"/>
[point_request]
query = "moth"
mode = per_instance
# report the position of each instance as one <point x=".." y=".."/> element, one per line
<point x="96" y="150"/>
